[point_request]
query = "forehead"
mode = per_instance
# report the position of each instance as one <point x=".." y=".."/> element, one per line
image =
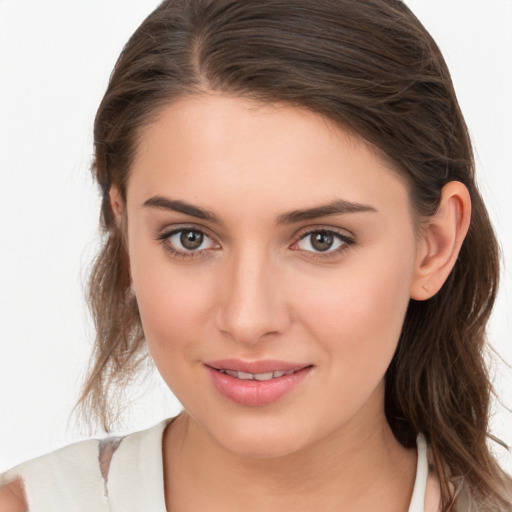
<point x="215" y="148"/>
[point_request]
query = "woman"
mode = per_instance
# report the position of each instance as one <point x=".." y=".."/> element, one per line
<point x="292" y="225"/>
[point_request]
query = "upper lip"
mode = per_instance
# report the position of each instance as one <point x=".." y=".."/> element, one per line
<point x="263" y="366"/>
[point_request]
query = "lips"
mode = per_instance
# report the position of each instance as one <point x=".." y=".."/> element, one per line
<point x="257" y="376"/>
<point x="255" y="383"/>
<point x="255" y="367"/>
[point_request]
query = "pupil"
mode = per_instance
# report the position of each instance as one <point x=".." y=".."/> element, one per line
<point x="191" y="239"/>
<point x="322" y="241"/>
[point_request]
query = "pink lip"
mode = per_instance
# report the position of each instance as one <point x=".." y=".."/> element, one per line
<point x="253" y="392"/>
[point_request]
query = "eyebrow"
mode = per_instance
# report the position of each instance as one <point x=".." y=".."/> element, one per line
<point x="176" y="205"/>
<point x="337" y="207"/>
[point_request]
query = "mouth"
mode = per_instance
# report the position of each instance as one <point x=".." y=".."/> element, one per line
<point x="255" y="370"/>
<point x="255" y="383"/>
<point x="256" y="376"/>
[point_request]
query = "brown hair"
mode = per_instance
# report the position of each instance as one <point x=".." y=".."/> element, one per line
<point x="370" y="66"/>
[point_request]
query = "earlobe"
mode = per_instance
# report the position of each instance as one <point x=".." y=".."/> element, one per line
<point x="440" y="241"/>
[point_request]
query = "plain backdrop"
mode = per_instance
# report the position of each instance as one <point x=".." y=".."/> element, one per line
<point x="55" y="60"/>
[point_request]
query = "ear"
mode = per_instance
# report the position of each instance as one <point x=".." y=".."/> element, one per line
<point x="118" y="209"/>
<point x="116" y="204"/>
<point x="440" y="241"/>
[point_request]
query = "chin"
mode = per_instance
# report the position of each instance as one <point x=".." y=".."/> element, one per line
<point x="260" y="438"/>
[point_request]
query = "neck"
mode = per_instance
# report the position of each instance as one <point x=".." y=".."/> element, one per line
<point x="351" y="469"/>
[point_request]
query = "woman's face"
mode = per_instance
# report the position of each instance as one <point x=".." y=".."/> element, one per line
<point x="272" y="256"/>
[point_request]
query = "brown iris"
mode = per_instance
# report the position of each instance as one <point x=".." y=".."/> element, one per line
<point x="322" y="240"/>
<point x="191" y="240"/>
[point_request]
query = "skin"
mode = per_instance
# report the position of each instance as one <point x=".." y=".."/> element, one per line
<point x="258" y="289"/>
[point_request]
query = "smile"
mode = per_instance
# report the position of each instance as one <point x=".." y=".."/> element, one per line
<point x="256" y="383"/>
<point x="257" y="376"/>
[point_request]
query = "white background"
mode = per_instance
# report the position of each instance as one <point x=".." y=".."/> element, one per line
<point x="55" y="59"/>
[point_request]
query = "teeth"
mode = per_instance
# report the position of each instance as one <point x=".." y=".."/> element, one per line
<point x="263" y="376"/>
<point x="256" y="376"/>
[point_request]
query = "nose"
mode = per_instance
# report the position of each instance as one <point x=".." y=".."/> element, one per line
<point x="252" y="304"/>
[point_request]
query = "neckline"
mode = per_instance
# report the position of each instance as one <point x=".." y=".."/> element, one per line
<point x="136" y="475"/>
<point x="417" y="503"/>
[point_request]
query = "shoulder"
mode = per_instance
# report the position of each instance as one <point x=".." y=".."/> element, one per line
<point x="12" y="497"/>
<point x="73" y="456"/>
<point x="75" y="477"/>
<point x="70" y="471"/>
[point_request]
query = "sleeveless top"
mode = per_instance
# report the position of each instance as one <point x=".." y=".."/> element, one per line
<point x="71" y="479"/>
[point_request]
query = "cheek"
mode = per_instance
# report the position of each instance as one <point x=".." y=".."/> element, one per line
<point x="173" y="302"/>
<point x="175" y="322"/>
<point x="358" y="314"/>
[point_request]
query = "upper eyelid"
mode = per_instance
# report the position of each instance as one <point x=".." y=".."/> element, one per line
<point x="170" y="230"/>
<point x="344" y="233"/>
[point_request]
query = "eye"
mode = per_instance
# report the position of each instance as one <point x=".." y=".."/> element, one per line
<point x="323" y="241"/>
<point x="187" y="241"/>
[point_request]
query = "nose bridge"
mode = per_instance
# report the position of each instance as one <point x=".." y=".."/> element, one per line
<point x="252" y="303"/>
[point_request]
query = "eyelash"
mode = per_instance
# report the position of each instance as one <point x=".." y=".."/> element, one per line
<point x="345" y="240"/>
<point x="164" y="239"/>
<point x="346" y="243"/>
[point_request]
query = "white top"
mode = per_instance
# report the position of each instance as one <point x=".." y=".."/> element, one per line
<point x="70" y="479"/>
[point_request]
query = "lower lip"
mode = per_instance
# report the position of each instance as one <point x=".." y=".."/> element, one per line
<point x="256" y="393"/>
